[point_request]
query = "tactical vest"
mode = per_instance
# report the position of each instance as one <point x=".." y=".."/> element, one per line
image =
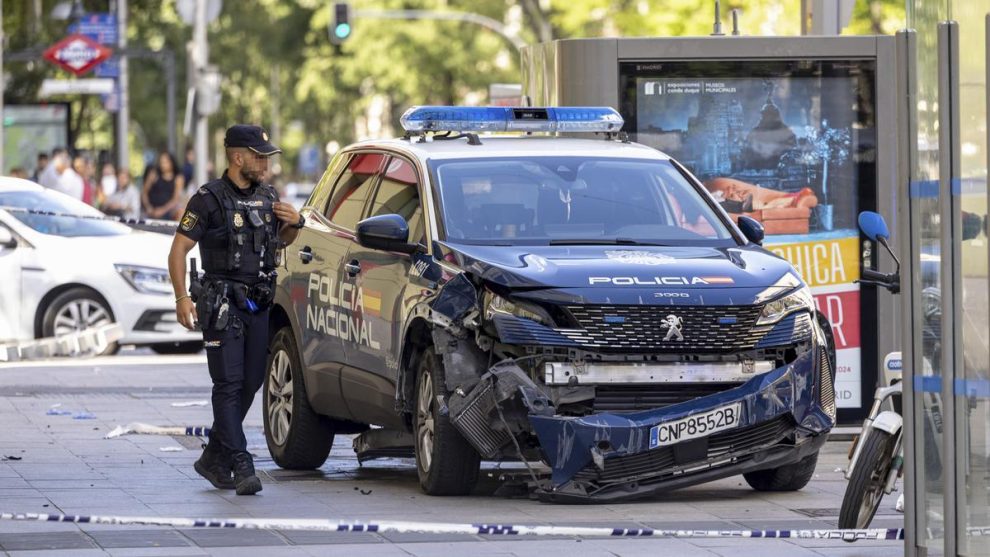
<point x="252" y="242"/>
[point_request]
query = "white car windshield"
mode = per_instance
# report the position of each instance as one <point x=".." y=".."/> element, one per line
<point x="574" y="201"/>
<point x="53" y="202"/>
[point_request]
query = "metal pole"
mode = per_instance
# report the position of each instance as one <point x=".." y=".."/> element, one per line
<point x="908" y="232"/>
<point x="951" y="246"/>
<point x="167" y="59"/>
<point x="3" y="88"/>
<point x="200" y="56"/>
<point x="124" y="114"/>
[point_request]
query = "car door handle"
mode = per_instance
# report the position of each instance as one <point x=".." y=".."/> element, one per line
<point x="306" y="254"/>
<point x="353" y="268"/>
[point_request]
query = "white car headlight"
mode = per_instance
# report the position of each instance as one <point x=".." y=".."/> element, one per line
<point x="498" y="304"/>
<point x="798" y="300"/>
<point x="148" y="280"/>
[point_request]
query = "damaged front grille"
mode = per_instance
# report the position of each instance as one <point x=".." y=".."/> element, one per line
<point x="654" y="462"/>
<point x="634" y="398"/>
<point x="631" y="328"/>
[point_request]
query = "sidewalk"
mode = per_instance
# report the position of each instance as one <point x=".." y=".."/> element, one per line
<point x="66" y="466"/>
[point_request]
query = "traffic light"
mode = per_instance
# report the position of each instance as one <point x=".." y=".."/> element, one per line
<point x="340" y="27"/>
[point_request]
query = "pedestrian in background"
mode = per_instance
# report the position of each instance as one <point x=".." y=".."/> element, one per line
<point x="188" y="168"/>
<point x="108" y="180"/>
<point x="83" y="168"/>
<point x="163" y="190"/>
<point x="40" y="167"/>
<point x="60" y="176"/>
<point x="125" y="201"/>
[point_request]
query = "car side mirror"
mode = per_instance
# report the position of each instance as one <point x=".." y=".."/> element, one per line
<point x="386" y="233"/>
<point x="7" y="239"/>
<point x="751" y="229"/>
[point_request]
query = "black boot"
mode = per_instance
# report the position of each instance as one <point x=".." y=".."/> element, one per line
<point x="215" y="466"/>
<point x="245" y="481"/>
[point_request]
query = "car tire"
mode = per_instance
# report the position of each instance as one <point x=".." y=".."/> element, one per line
<point x="445" y="462"/>
<point x="298" y="438"/>
<point x="790" y="477"/>
<point x="170" y="348"/>
<point x="71" y="309"/>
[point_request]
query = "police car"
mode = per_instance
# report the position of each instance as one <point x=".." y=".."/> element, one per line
<point x="580" y="301"/>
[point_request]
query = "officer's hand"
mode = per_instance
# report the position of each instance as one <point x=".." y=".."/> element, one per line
<point x="286" y="212"/>
<point x="185" y="311"/>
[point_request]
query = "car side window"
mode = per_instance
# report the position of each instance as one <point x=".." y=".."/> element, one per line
<point x="353" y="189"/>
<point x="318" y="198"/>
<point x="398" y="194"/>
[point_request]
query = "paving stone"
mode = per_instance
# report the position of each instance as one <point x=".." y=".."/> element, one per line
<point x="232" y="537"/>
<point x="45" y="540"/>
<point x="139" y="538"/>
<point x="307" y="537"/>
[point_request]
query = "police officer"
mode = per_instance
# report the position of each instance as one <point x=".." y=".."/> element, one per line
<point x="240" y="226"/>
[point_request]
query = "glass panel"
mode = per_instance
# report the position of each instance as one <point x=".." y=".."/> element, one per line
<point x="924" y="16"/>
<point x="972" y="396"/>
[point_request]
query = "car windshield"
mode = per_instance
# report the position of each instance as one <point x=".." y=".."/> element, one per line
<point x="68" y="226"/>
<point x="573" y="201"/>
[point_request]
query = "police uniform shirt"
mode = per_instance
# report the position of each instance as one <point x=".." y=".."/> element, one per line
<point x="204" y="223"/>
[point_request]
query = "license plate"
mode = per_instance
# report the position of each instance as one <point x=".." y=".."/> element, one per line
<point x="693" y="427"/>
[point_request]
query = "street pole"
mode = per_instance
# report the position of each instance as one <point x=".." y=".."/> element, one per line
<point x="200" y="56"/>
<point x="3" y="88"/>
<point x="124" y="110"/>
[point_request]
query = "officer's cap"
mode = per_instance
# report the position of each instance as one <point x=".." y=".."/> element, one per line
<point x="252" y="137"/>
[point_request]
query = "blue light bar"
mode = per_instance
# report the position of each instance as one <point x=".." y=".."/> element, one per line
<point x="504" y="118"/>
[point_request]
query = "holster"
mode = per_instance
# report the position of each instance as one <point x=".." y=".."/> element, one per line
<point x="209" y="304"/>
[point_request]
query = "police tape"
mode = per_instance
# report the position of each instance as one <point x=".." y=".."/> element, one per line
<point x="147" y="429"/>
<point x="154" y="223"/>
<point x="402" y="527"/>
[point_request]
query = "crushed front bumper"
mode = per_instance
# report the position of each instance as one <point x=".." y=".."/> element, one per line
<point x="784" y="417"/>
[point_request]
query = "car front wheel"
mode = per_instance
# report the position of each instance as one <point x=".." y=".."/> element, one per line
<point x="75" y="310"/>
<point x="447" y="464"/>
<point x="790" y="477"/>
<point x="298" y="438"/>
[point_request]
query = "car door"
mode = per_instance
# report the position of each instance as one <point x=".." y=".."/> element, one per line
<point x="387" y="284"/>
<point x="315" y="261"/>
<point x="11" y="255"/>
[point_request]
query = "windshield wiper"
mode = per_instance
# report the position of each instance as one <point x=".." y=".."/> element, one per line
<point x="602" y="242"/>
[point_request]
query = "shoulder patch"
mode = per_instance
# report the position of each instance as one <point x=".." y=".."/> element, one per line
<point x="189" y="220"/>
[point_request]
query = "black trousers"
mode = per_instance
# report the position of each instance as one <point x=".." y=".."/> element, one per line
<point x="236" y="358"/>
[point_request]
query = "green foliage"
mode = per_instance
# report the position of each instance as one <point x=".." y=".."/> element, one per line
<point x="280" y="69"/>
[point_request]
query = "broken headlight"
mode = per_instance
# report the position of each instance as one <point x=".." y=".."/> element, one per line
<point x="495" y="304"/>
<point x="798" y="300"/>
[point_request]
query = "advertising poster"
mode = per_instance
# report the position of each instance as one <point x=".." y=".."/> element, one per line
<point x="788" y="144"/>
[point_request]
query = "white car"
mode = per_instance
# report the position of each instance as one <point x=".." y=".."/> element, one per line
<point x="63" y="274"/>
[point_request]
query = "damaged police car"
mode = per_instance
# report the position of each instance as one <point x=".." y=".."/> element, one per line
<point x="580" y="301"/>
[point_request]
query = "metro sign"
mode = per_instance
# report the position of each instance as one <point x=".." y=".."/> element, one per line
<point x="77" y="53"/>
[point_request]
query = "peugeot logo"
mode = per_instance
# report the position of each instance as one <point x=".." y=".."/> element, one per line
<point x="673" y="325"/>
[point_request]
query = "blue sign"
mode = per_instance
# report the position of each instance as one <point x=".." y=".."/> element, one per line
<point x="309" y="159"/>
<point x="102" y="28"/>
<point x="109" y="68"/>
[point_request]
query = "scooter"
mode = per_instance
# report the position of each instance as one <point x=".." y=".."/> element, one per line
<point x="876" y="458"/>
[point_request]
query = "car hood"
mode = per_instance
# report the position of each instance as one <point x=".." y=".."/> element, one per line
<point x="146" y="249"/>
<point x="623" y="274"/>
